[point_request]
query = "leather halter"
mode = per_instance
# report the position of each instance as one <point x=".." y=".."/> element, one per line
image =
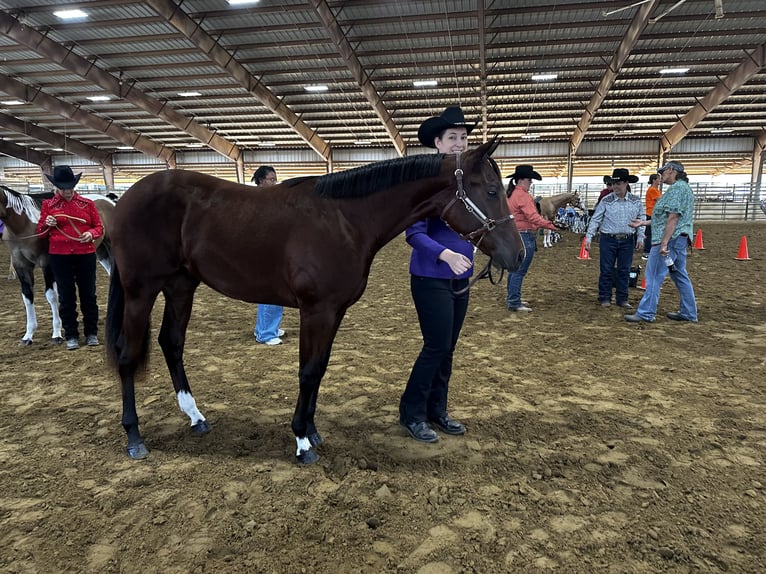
<point x="487" y="223"/>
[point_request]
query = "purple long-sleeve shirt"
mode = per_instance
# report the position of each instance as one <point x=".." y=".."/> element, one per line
<point x="428" y="238"/>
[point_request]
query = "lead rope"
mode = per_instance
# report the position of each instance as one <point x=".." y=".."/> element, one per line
<point x="71" y="218"/>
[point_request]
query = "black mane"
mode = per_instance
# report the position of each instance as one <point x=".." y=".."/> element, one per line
<point x="369" y="179"/>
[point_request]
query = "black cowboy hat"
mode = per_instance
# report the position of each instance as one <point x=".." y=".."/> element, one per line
<point x="525" y="172"/>
<point x="621" y="174"/>
<point x="63" y="177"/>
<point x="607" y="180"/>
<point x="452" y="117"/>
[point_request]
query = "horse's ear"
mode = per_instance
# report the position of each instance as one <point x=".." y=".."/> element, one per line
<point x="491" y="146"/>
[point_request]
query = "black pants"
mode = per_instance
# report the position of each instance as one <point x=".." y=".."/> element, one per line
<point x="75" y="273"/>
<point x="648" y="240"/>
<point x="441" y="313"/>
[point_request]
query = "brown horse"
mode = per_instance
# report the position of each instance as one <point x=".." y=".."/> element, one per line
<point x="549" y="207"/>
<point x="307" y="243"/>
<point x="20" y="213"/>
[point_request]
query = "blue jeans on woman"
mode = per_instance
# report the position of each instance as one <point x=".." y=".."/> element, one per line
<point x="515" y="279"/>
<point x="441" y="312"/>
<point x="267" y="322"/>
<point x="611" y="251"/>
<point x="656" y="270"/>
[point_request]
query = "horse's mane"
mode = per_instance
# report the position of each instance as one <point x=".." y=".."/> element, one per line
<point x="23" y="204"/>
<point x="369" y="179"/>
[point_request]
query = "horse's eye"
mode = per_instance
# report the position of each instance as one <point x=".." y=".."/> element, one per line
<point x="492" y="192"/>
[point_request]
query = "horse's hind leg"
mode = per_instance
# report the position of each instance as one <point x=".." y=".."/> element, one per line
<point x="53" y="300"/>
<point x="179" y="298"/>
<point x="26" y="278"/>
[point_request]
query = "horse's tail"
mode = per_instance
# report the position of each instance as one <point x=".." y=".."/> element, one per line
<point x="115" y="314"/>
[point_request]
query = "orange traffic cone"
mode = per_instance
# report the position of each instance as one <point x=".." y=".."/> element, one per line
<point x="698" y="240"/>
<point x="584" y="254"/>
<point x="742" y="254"/>
<point x="643" y="284"/>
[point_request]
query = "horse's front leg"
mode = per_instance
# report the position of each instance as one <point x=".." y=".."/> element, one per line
<point x="27" y="280"/>
<point x="317" y="335"/>
<point x="52" y="295"/>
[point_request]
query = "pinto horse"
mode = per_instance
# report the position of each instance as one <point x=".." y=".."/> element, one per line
<point x="549" y="207"/>
<point x="20" y="212"/>
<point x="307" y="243"/>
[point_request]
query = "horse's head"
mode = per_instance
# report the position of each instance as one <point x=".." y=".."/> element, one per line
<point x="479" y="210"/>
<point x="578" y="202"/>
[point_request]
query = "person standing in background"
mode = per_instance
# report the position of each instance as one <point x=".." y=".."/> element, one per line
<point x="267" y="321"/>
<point x="72" y="224"/>
<point x="528" y="221"/>
<point x="672" y="228"/>
<point x="652" y="195"/>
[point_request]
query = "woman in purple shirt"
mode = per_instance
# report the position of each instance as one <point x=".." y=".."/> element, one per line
<point x="440" y="265"/>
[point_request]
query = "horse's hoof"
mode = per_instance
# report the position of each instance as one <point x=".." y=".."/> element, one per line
<point x="315" y="439"/>
<point x="25" y="342"/>
<point x="307" y="456"/>
<point x="137" y="451"/>
<point x="57" y="340"/>
<point x="202" y="427"/>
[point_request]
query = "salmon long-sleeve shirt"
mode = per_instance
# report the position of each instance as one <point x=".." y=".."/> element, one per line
<point x="522" y="207"/>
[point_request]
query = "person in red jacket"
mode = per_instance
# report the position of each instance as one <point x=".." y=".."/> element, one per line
<point x="72" y="224"/>
<point x="528" y="221"/>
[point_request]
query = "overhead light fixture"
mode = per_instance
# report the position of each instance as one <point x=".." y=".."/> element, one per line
<point x="58" y="149"/>
<point x="721" y="130"/>
<point x="530" y="136"/>
<point x="12" y="102"/>
<point x="544" y="77"/>
<point x="124" y="147"/>
<point x="266" y="144"/>
<point x="240" y="2"/>
<point x="425" y="83"/>
<point x="70" y="14"/>
<point x="99" y="98"/>
<point x="195" y="144"/>
<point x="316" y="88"/>
<point x="189" y="94"/>
<point x="362" y="142"/>
<point x="674" y="70"/>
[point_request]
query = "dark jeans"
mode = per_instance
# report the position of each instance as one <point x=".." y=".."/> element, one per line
<point x="440" y="313"/>
<point x="76" y="273"/>
<point x="515" y="279"/>
<point x="620" y="252"/>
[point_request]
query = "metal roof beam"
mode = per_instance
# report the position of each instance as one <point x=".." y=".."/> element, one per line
<point x="750" y="66"/>
<point x="28" y="155"/>
<point x="55" y="106"/>
<point x="346" y="52"/>
<point x="31" y="38"/>
<point x="44" y="135"/>
<point x="610" y="75"/>
<point x="177" y="18"/>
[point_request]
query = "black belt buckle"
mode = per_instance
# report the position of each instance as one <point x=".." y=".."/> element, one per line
<point x="619" y="235"/>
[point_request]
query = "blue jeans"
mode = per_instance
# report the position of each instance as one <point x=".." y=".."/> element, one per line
<point x="267" y="322"/>
<point x="440" y="313"/>
<point x="656" y="270"/>
<point x="611" y="251"/>
<point x="515" y="279"/>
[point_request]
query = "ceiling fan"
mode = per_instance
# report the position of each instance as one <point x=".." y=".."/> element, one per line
<point x="717" y="3"/>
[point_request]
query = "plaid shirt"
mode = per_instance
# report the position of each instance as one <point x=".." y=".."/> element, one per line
<point x="612" y="215"/>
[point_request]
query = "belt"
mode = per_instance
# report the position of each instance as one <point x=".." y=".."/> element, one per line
<point x="618" y="235"/>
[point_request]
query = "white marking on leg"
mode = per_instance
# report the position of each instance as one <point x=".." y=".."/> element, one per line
<point x="188" y="405"/>
<point x="303" y="445"/>
<point x="105" y="265"/>
<point x="31" y="318"/>
<point x="53" y="300"/>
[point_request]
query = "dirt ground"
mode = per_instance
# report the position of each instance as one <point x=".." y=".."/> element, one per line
<point x="593" y="445"/>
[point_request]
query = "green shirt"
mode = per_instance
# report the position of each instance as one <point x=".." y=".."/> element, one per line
<point x="679" y="199"/>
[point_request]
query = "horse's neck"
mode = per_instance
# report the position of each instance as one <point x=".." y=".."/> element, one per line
<point x="561" y="200"/>
<point x="19" y="225"/>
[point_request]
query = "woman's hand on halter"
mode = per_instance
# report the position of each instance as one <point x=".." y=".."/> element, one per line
<point x="457" y="262"/>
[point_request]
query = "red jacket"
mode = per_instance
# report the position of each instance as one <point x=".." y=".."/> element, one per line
<point x="79" y="207"/>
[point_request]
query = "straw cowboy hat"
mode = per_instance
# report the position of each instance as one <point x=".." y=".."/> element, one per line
<point x="621" y="174"/>
<point x="525" y="172"/>
<point x="452" y="117"/>
<point x="63" y="177"/>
